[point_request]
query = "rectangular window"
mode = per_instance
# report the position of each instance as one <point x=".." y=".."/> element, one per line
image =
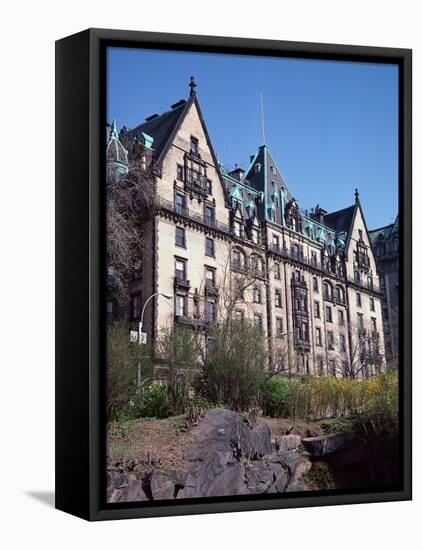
<point x="332" y="367"/>
<point x="342" y="341"/>
<point x="180" y="305"/>
<point x="210" y="277"/>
<point x="372" y="304"/>
<point x="279" y="327"/>
<point x="276" y="243"/>
<point x="180" y="172"/>
<point x="209" y="312"/>
<point x="257" y="295"/>
<point x="360" y="321"/>
<point x="257" y="319"/>
<point x="328" y="314"/>
<point x="314" y="260"/>
<point x="181" y="270"/>
<point x="209" y="215"/>
<point x="194" y="145"/>
<point x="330" y="339"/>
<point x="110" y="311"/>
<point x="239" y="315"/>
<point x="340" y="317"/>
<point x="315" y="284"/>
<point x="277" y="273"/>
<point x="358" y="299"/>
<point x="373" y="324"/>
<point x="357" y="276"/>
<point x="255" y="236"/>
<point x="180" y="237"/>
<point x="320" y="365"/>
<point x="318" y="336"/>
<point x="209" y="187"/>
<point x="180" y="203"/>
<point x="135" y="306"/>
<point x="209" y="247"/>
<point x="304" y="330"/>
<point x="317" y="311"/>
<point x="277" y="298"/>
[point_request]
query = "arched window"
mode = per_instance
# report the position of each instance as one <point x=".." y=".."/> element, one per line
<point x="326" y="291"/>
<point x="339" y="295"/>
<point x="257" y="264"/>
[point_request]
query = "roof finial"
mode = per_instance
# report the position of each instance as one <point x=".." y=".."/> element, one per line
<point x="356" y="196"/>
<point x="114" y="133"/>
<point x="192" y="85"/>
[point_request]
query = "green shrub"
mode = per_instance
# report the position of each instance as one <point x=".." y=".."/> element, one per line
<point x="124" y="361"/>
<point x="275" y="395"/>
<point x="177" y="351"/>
<point x="234" y="368"/>
<point x="154" y="402"/>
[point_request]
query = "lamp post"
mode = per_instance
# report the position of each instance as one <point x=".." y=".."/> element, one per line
<point x="141" y="323"/>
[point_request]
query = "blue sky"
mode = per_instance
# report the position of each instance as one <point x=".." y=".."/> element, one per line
<point x="331" y="126"/>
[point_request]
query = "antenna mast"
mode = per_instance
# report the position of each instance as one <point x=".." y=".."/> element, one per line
<point x="262" y="118"/>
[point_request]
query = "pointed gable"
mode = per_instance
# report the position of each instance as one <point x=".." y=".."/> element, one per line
<point x="159" y="127"/>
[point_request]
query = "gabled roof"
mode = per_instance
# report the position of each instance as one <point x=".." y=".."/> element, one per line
<point x="161" y="128"/>
<point x="384" y="232"/>
<point x="341" y="220"/>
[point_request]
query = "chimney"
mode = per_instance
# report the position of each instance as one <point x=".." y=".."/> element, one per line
<point x="318" y="214"/>
<point x="238" y="173"/>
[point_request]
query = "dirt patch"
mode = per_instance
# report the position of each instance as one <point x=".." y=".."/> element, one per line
<point x="285" y="426"/>
<point x="158" y="444"/>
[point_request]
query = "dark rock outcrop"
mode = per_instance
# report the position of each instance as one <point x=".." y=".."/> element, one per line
<point x="326" y="444"/>
<point x="123" y="487"/>
<point x="228" y="458"/>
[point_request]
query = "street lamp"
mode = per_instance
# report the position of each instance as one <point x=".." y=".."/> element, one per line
<point x="141" y="322"/>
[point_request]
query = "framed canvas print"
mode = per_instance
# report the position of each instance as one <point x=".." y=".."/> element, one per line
<point x="233" y="274"/>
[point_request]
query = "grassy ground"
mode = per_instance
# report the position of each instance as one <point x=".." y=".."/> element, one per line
<point x="152" y="442"/>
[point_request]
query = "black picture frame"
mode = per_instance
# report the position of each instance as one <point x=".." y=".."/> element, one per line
<point x="80" y="304"/>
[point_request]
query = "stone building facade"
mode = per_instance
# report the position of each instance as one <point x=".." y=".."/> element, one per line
<point x="237" y="243"/>
<point x="385" y="243"/>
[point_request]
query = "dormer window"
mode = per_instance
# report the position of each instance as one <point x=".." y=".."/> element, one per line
<point x="274" y="170"/>
<point x="360" y="234"/>
<point x="194" y="146"/>
<point x="237" y="229"/>
<point x="257" y="168"/>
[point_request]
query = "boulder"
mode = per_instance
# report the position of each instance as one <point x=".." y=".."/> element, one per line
<point x="260" y="477"/>
<point x="223" y="438"/>
<point x="230" y="481"/>
<point x="163" y="486"/>
<point x="288" y="442"/>
<point x="124" y="488"/>
<point x="326" y="444"/>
